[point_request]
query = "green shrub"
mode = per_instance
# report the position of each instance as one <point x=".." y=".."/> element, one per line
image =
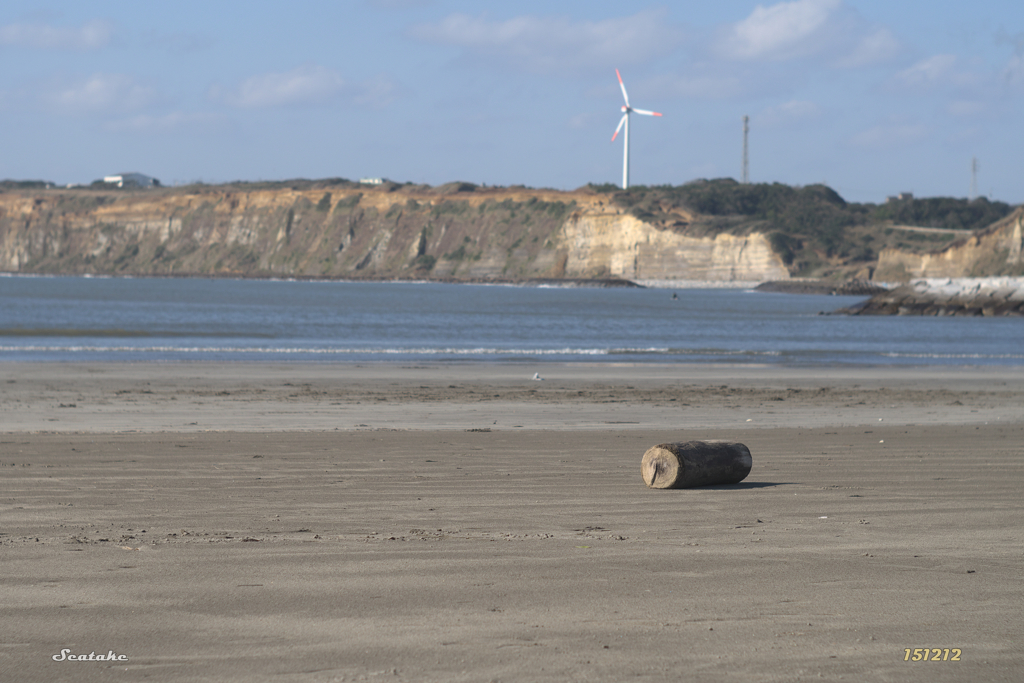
<point x="424" y="262"/>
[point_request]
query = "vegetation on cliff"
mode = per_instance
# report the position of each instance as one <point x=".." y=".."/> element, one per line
<point x="7" y="185"/>
<point x="943" y="212"/>
<point x="813" y="229"/>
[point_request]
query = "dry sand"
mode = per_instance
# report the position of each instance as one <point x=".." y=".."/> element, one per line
<point x="241" y="522"/>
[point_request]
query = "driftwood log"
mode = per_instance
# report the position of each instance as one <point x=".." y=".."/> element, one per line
<point x="695" y="463"/>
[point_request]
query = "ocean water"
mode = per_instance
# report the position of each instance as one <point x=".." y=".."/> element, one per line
<point x="167" y="319"/>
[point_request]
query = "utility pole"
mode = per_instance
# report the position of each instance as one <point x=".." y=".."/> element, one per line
<point x="746" y="157"/>
<point x="974" y="178"/>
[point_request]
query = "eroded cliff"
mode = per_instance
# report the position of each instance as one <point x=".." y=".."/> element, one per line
<point x="996" y="250"/>
<point x="458" y="231"/>
<point x="601" y="245"/>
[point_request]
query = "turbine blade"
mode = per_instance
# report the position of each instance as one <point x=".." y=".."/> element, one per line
<point x="623" y="86"/>
<point x="621" y="121"/>
<point x="646" y="113"/>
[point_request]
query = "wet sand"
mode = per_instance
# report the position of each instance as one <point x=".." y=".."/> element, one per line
<point x="236" y="522"/>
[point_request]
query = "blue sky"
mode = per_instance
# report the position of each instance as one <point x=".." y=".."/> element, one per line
<point x="870" y="97"/>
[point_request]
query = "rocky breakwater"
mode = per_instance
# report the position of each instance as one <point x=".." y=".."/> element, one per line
<point x="975" y="296"/>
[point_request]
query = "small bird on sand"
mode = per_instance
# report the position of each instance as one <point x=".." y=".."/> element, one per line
<point x="537" y="377"/>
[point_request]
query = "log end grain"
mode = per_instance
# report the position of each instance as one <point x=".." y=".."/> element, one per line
<point x="660" y="468"/>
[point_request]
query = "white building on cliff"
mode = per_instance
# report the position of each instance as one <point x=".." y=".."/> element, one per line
<point x="131" y="180"/>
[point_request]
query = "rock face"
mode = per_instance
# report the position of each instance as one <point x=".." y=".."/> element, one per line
<point x="622" y="246"/>
<point x="456" y="232"/>
<point x="990" y="296"/>
<point x="995" y="250"/>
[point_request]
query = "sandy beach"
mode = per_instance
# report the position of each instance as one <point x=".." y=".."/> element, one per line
<point x="466" y="522"/>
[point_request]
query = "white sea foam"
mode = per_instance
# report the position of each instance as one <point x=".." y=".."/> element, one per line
<point x="390" y="351"/>
<point x="699" y="284"/>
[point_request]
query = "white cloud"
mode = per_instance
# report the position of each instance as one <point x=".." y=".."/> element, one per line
<point x="802" y="29"/>
<point x="937" y="71"/>
<point x="557" y="44"/>
<point x="90" y="36"/>
<point x="102" y="92"/>
<point x="927" y="72"/>
<point x="307" y="85"/>
<point x="782" y="31"/>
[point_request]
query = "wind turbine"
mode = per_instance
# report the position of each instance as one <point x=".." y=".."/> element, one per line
<point x="626" y="111"/>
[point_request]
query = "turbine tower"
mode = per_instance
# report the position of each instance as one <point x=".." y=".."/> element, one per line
<point x="746" y="157"/>
<point x="626" y="111"/>
<point x="974" y="178"/>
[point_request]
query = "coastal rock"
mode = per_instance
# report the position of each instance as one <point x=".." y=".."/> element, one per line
<point x="987" y="296"/>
